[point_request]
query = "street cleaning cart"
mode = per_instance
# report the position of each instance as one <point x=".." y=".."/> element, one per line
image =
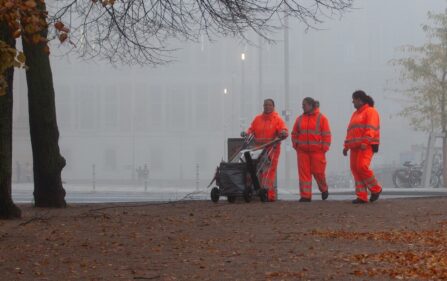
<point x="240" y="176"/>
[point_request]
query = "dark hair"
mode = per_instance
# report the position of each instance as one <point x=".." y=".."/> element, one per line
<point x="270" y="100"/>
<point x="310" y="101"/>
<point x="359" y="94"/>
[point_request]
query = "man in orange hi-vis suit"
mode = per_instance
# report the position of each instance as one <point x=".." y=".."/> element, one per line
<point x="362" y="140"/>
<point x="266" y="127"/>
<point x="311" y="138"/>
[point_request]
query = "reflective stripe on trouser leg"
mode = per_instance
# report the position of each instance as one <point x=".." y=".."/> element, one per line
<point x="360" y="189"/>
<point x="306" y="189"/>
<point x="372" y="184"/>
<point x="318" y="169"/>
<point x="365" y="174"/>
<point x="304" y="174"/>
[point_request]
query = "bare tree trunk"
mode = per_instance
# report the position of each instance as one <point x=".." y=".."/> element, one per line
<point x="8" y="210"/>
<point x="47" y="160"/>
<point x="444" y="160"/>
<point x="444" y="127"/>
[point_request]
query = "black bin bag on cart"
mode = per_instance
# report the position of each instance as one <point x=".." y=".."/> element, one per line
<point x="232" y="177"/>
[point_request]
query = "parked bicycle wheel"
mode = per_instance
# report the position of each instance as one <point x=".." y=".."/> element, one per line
<point x="400" y="178"/>
<point x="415" y="178"/>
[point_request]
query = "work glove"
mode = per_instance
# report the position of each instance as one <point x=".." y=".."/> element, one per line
<point x="243" y="134"/>
<point x="345" y="151"/>
<point x="283" y="135"/>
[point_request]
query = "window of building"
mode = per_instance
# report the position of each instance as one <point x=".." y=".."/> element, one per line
<point x="110" y="108"/>
<point x="109" y="160"/>
<point x="125" y="111"/>
<point x="88" y="107"/>
<point x="202" y="108"/>
<point x="201" y="158"/>
<point x="177" y="108"/>
<point x="141" y="108"/>
<point x="64" y="108"/>
<point x="155" y="108"/>
<point x="156" y="159"/>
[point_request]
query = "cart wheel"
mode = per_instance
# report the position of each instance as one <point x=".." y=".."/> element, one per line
<point x="248" y="194"/>
<point x="215" y="193"/>
<point x="263" y="195"/>
<point x="231" y="199"/>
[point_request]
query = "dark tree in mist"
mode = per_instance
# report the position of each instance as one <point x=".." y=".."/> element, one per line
<point x="137" y="31"/>
<point x="423" y="72"/>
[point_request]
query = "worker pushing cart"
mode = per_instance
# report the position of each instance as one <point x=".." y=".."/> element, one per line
<point x="242" y="175"/>
<point x="258" y="158"/>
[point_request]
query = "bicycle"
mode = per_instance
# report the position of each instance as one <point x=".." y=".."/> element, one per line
<point x="411" y="175"/>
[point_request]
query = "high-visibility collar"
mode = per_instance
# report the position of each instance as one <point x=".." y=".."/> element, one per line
<point x="363" y="107"/>
<point x="270" y="115"/>
<point x="313" y="112"/>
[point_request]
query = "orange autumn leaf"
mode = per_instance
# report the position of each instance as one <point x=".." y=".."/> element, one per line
<point x="21" y="57"/>
<point x="63" y="37"/>
<point x="30" y="4"/>
<point x="58" y="25"/>
<point x="17" y="33"/>
<point x="9" y="4"/>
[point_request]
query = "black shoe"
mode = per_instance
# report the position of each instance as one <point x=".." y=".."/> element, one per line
<point x="302" y="199"/>
<point x="374" y="196"/>
<point x="324" y="195"/>
<point x="358" y="201"/>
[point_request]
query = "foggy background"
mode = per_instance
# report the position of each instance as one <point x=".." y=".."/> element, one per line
<point x="176" y="117"/>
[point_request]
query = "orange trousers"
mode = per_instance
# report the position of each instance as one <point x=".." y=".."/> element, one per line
<point x="311" y="164"/>
<point x="363" y="175"/>
<point x="267" y="176"/>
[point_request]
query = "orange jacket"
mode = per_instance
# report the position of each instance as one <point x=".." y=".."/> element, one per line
<point x="364" y="127"/>
<point x="311" y="132"/>
<point x="266" y="127"/>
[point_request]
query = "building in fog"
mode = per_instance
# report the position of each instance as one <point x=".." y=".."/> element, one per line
<point x="172" y="119"/>
<point x="175" y="118"/>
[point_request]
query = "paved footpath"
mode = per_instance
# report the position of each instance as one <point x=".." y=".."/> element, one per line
<point x="391" y="239"/>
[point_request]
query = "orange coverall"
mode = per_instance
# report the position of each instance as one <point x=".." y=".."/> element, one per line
<point x="311" y="138"/>
<point x="364" y="128"/>
<point x="265" y="128"/>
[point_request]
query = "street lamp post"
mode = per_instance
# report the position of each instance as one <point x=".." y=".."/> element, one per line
<point x="260" y="78"/>
<point x="224" y="121"/>
<point x="242" y="105"/>
<point x="132" y="128"/>
<point x="232" y="102"/>
<point x="286" y="91"/>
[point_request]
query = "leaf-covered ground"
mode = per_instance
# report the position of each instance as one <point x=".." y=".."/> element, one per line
<point x="200" y="240"/>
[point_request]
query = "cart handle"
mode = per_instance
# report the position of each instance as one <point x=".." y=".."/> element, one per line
<point x="262" y="146"/>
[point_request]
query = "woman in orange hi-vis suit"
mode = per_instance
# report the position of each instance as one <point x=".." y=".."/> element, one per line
<point x="266" y="127"/>
<point x="311" y="138"/>
<point x="362" y="140"/>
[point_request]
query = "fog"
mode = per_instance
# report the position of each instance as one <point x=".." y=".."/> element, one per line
<point x="176" y="117"/>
